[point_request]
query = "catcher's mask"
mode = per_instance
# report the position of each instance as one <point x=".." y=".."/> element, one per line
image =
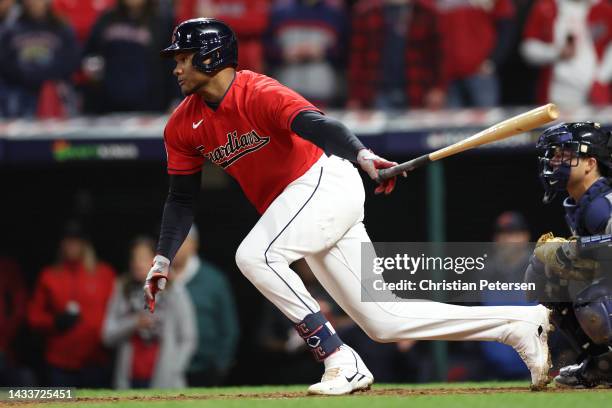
<point x="560" y="148"/>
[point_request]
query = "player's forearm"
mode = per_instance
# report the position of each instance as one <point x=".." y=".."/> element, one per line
<point x="327" y="133"/>
<point x="178" y="214"/>
<point x="176" y="221"/>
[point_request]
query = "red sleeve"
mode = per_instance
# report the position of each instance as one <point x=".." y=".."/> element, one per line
<point x="40" y="316"/>
<point x="600" y="16"/>
<point x="539" y="25"/>
<point x="504" y="9"/>
<point x="277" y="105"/>
<point x="253" y="19"/>
<point x="182" y="159"/>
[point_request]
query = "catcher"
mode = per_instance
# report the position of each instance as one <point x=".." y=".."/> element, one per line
<point x="576" y="158"/>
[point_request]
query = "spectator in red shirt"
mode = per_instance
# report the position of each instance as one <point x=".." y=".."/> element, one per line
<point x="68" y="308"/>
<point x="248" y="18"/>
<point x="571" y="40"/>
<point x="396" y="55"/>
<point x="81" y="14"/>
<point x="477" y="39"/>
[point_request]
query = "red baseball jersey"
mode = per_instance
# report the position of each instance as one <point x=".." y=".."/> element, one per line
<point x="249" y="135"/>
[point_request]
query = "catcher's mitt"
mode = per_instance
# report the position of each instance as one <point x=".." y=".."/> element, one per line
<point x="560" y="255"/>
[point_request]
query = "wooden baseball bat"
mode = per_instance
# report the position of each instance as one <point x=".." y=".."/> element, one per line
<point x="509" y="127"/>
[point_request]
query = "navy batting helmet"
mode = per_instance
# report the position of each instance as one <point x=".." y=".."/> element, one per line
<point x="210" y="38"/>
<point x="561" y="147"/>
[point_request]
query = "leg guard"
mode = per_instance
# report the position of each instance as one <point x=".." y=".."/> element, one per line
<point x="593" y="308"/>
<point x="319" y="335"/>
<point x="565" y="320"/>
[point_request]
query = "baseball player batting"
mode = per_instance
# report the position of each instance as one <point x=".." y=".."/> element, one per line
<point x="295" y="165"/>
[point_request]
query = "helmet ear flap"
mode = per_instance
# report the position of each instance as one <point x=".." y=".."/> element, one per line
<point x="198" y="61"/>
<point x="200" y="57"/>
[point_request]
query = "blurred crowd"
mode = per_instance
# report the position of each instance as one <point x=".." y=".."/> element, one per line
<point x="67" y="57"/>
<point x="87" y="327"/>
<point x="83" y="324"/>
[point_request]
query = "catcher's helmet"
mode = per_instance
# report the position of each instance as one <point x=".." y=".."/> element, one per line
<point x="561" y="147"/>
<point x="210" y="38"/>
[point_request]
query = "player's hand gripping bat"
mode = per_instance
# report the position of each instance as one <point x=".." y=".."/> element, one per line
<point x="509" y="127"/>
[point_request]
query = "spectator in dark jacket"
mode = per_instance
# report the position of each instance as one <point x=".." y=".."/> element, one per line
<point x="122" y="60"/>
<point x="9" y="12"/>
<point x="68" y="308"/>
<point x="38" y="48"/>
<point x="396" y="55"/>
<point x="305" y="47"/>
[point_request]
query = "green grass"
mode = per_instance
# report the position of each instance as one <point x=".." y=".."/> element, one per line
<point x="455" y="395"/>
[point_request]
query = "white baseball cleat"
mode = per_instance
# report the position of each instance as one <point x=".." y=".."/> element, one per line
<point x="345" y="373"/>
<point x="530" y="340"/>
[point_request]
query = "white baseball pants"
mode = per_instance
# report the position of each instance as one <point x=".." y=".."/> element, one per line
<point x="319" y="217"/>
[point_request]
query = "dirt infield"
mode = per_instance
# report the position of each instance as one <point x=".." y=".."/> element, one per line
<point x="399" y="392"/>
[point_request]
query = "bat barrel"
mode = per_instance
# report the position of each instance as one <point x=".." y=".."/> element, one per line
<point x="509" y="127"/>
<point x="513" y="126"/>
